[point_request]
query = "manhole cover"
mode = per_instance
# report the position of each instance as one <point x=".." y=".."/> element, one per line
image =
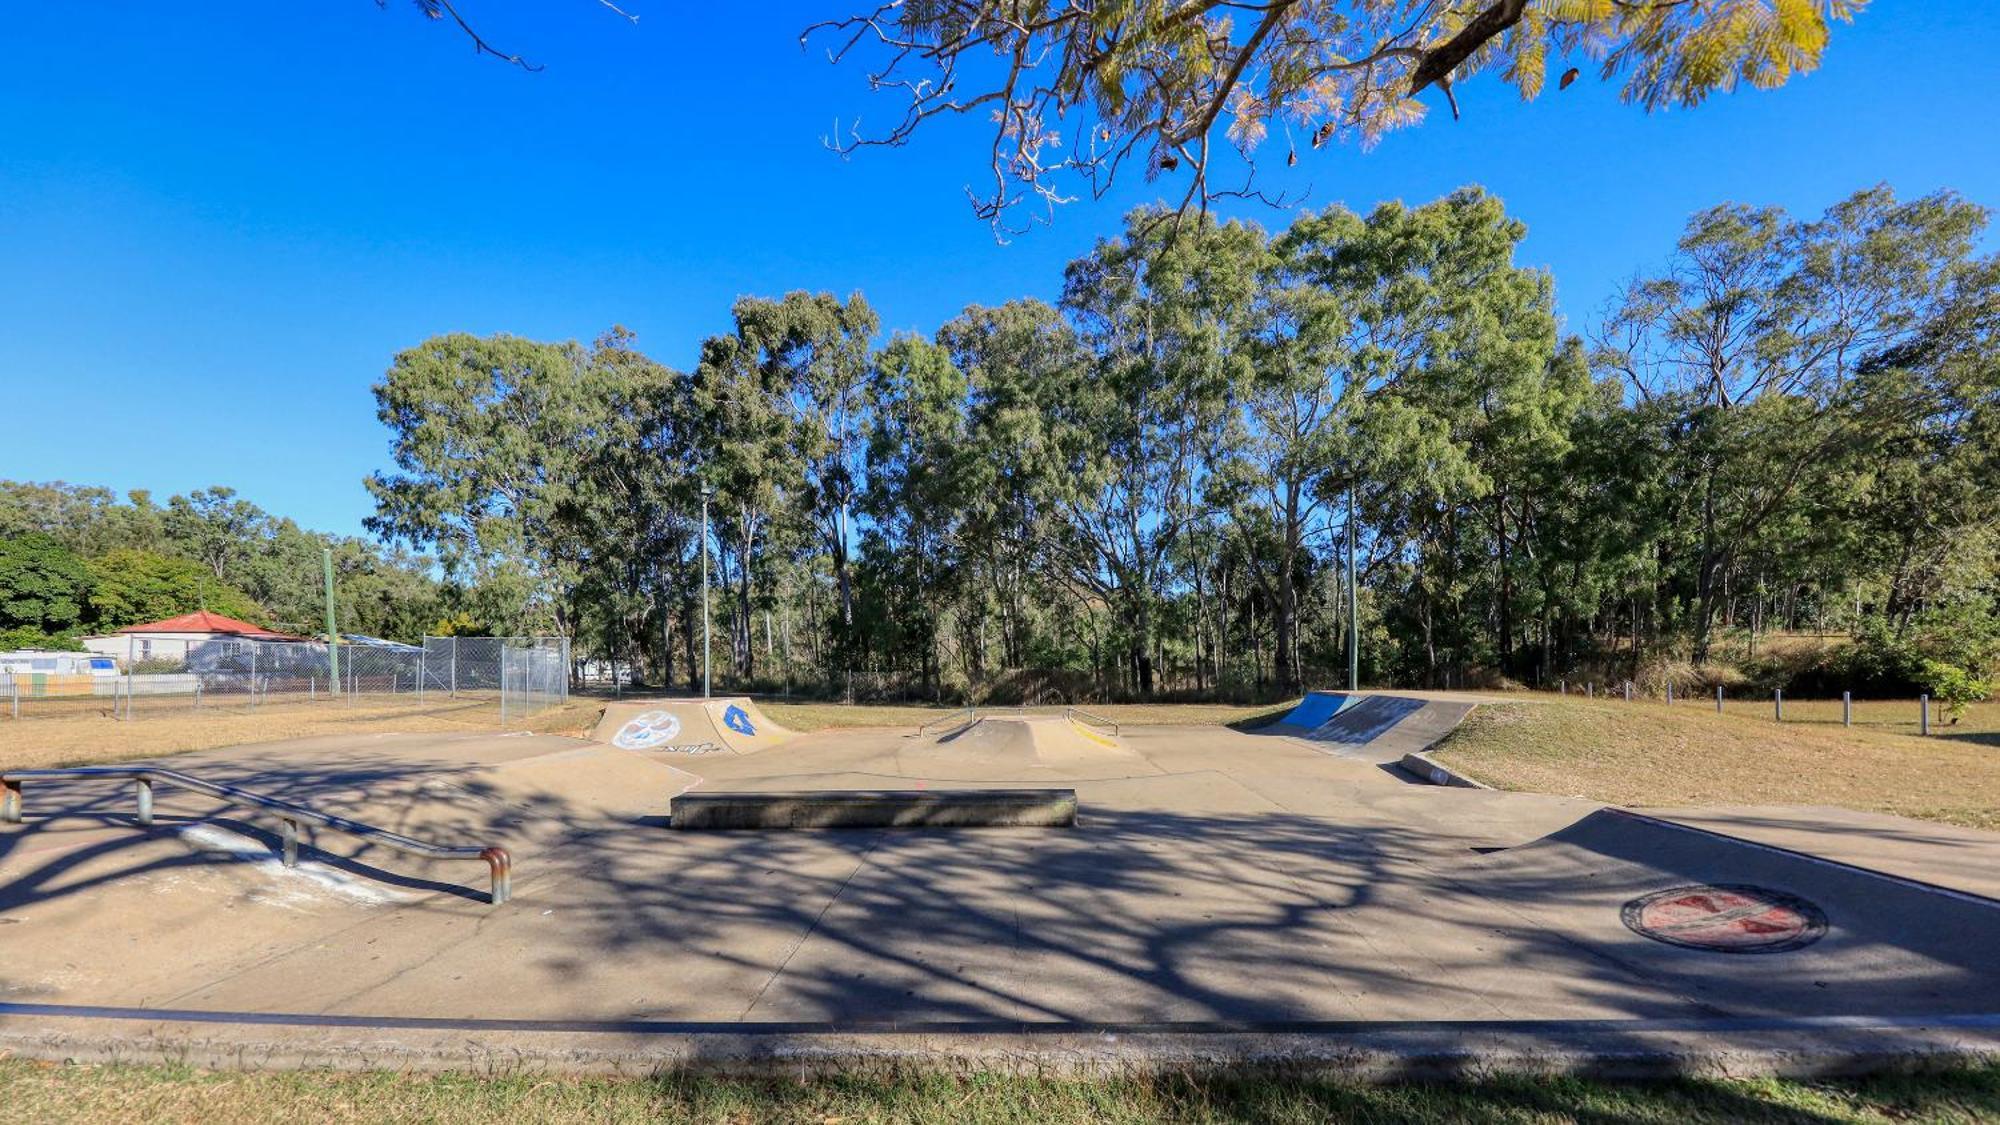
<point x="1726" y="919"/>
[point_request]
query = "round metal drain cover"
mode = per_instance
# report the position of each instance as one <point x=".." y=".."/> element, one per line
<point x="1726" y="918"/>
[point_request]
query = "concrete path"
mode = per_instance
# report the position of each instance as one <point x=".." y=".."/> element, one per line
<point x="1217" y="882"/>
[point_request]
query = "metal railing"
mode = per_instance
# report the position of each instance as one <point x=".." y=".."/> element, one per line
<point x="499" y="864"/>
<point x="1079" y="715"/>
<point x="969" y="715"/>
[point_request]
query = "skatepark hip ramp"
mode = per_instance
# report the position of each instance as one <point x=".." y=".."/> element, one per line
<point x="1023" y="739"/>
<point x="731" y="724"/>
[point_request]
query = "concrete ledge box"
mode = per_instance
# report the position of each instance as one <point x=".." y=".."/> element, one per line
<point x="914" y="808"/>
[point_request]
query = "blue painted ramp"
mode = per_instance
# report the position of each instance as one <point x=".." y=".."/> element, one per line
<point x="1366" y="720"/>
<point x="1314" y="710"/>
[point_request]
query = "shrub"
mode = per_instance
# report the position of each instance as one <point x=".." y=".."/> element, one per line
<point x="1947" y="654"/>
<point x="1954" y="687"/>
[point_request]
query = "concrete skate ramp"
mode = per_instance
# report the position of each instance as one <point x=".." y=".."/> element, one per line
<point x="1888" y="943"/>
<point x="1022" y="740"/>
<point x="1313" y="711"/>
<point x="1365" y="720"/>
<point x="590" y="782"/>
<point x="690" y="726"/>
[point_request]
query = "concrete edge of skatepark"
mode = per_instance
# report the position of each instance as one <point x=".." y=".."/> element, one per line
<point x="1425" y="768"/>
<point x="1360" y="1052"/>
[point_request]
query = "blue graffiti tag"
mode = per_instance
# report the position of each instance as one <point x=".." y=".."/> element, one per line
<point x="736" y="720"/>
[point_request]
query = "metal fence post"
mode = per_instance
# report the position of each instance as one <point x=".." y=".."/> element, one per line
<point x="1670" y="693"/>
<point x="253" y="673"/>
<point x="1924" y="720"/>
<point x="1718" y="699"/>
<point x="1847" y="708"/>
<point x="1778" y="705"/>
<point x="454" y="667"/>
<point x="1628" y="691"/>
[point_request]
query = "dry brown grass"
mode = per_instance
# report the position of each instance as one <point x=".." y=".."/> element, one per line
<point x="94" y="738"/>
<point x="1651" y="754"/>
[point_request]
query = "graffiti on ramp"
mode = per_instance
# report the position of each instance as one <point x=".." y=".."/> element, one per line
<point x="647" y="728"/>
<point x="738" y="720"/>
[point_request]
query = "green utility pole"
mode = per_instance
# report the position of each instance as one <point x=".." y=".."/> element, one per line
<point x="332" y="630"/>
<point x="1353" y="606"/>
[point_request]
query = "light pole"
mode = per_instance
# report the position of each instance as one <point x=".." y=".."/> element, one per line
<point x="332" y="633"/>
<point x="1353" y="606"/>
<point x="706" y="493"/>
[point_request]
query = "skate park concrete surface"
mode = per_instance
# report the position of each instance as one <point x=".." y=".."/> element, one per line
<point x="1224" y="899"/>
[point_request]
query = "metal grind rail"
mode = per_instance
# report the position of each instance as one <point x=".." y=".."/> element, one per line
<point x="499" y="864"/>
<point x="959" y="719"/>
<point x="1079" y="715"/>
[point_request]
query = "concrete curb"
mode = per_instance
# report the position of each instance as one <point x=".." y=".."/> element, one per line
<point x="1362" y="1052"/>
<point x="1424" y="767"/>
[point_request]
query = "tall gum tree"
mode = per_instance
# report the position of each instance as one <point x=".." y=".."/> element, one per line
<point x="1751" y="342"/>
<point x="1011" y="355"/>
<point x="488" y="458"/>
<point x="1163" y="314"/>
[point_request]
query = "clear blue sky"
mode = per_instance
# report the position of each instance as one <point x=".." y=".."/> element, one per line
<point x="218" y="221"/>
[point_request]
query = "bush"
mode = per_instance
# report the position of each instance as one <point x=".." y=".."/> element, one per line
<point x="1947" y="655"/>
<point x="13" y="639"/>
<point x="1954" y="687"/>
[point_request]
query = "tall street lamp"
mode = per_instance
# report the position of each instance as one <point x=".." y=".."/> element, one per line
<point x="707" y="492"/>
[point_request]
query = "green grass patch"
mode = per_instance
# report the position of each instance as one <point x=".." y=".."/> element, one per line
<point x="54" y="1093"/>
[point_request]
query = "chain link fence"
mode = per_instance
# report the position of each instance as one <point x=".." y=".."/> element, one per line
<point x="512" y="677"/>
<point x="534" y="675"/>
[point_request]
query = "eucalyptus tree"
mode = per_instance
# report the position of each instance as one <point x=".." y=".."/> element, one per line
<point x="1070" y="92"/>
<point x="1409" y="359"/>
<point x="1754" y="338"/>
<point x="490" y="465"/>
<point x="638" y="506"/>
<point x="810" y="353"/>
<point x="920" y="459"/>
<point x="215" y="527"/>
<point x="1164" y="315"/>
<point x="1012" y="356"/>
<point x="741" y="438"/>
<point x="1919" y="507"/>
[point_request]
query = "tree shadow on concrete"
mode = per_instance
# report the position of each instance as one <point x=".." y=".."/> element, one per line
<point x="1141" y="916"/>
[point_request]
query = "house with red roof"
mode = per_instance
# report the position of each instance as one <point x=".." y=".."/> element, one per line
<point x="173" y="637"/>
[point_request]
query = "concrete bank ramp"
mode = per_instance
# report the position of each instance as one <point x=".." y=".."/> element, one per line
<point x="1365" y="719"/>
<point x="1369" y="727"/>
<point x="1313" y="712"/>
<point x="690" y="726"/>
